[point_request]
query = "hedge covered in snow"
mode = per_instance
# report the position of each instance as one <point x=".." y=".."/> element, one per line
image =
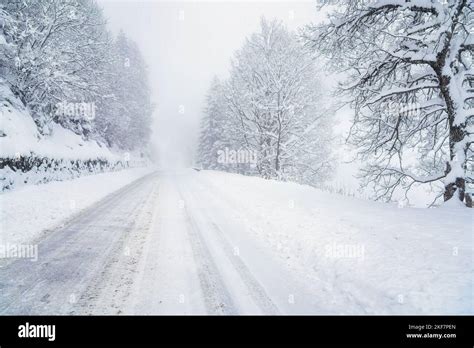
<point x="34" y="169"/>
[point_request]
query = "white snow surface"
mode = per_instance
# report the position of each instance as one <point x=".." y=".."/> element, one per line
<point x="29" y="211"/>
<point x="187" y="242"/>
<point x="360" y="256"/>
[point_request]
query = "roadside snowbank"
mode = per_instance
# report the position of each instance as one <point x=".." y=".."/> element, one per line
<point x="371" y="257"/>
<point x="26" y="212"/>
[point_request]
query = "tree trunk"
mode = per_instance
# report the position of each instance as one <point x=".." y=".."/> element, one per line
<point x="277" y="159"/>
<point x="456" y="188"/>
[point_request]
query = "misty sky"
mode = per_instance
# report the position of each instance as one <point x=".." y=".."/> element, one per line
<point x="186" y="43"/>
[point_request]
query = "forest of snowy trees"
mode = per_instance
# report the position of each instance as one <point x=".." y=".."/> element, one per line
<point x="268" y="118"/>
<point x="408" y="77"/>
<point x="61" y="62"/>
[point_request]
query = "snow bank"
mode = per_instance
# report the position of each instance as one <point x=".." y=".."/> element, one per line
<point x="26" y="157"/>
<point x="370" y="257"/>
<point x="26" y="212"/>
<point x="21" y="138"/>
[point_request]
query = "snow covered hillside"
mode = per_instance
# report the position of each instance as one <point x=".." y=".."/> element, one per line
<point x="27" y="157"/>
<point x="20" y="135"/>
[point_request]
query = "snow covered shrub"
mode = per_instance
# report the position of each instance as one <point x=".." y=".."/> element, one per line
<point x="33" y="169"/>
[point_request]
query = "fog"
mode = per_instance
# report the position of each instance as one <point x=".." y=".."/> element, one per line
<point x="186" y="43"/>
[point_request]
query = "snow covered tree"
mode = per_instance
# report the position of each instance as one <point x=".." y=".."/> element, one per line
<point x="126" y="107"/>
<point x="410" y="82"/>
<point x="213" y="138"/>
<point x="7" y="46"/>
<point x="60" y="60"/>
<point x="275" y="104"/>
<point x="57" y="45"/>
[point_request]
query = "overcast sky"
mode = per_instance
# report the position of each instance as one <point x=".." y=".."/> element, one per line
<point x="185" y="44"/>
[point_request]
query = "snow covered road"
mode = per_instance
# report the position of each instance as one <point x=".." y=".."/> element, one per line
<point x="73" y="258"/>
<point x="152" y="247"/>
<point x="198" y="267"/>
<point x="212" y="243"/>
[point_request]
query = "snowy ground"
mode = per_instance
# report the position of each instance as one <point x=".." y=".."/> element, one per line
<point x="208" y="242"/>
<point x="25" y="213"/>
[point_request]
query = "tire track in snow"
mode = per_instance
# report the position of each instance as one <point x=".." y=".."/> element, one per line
<point x="70" y="256"/>
<point x="216" y="296"/>
<point x="111" y="292"/>
<point x="256" y="290"/>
